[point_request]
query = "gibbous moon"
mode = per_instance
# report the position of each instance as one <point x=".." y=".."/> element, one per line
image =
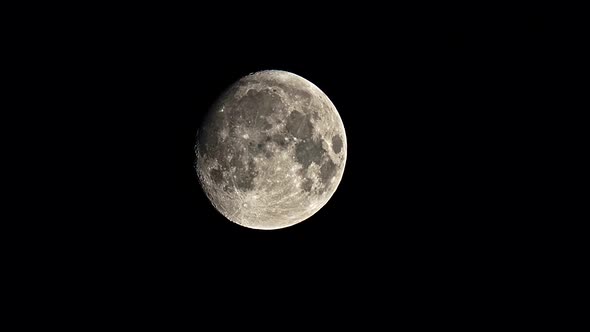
<point x="271" y="150"/>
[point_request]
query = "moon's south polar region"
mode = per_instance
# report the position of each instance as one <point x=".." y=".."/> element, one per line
<point x="271" y="150"/>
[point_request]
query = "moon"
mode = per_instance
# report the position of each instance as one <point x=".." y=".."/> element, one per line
<point x="271" y="151"/>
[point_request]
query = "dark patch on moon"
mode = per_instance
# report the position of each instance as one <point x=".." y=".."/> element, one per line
<point x="260" y="148"/>
<point x="298" y="125"/>
<point x="268" y="153"/>
<point x="245" y="175"/>
<point x="309" y="151"/>
<point x="307" y="184"/>
<point x="216" y="175"/>
<point x="280" y="140"/>
<point x="254" y="149"/>
<point x="243" y="167"/>
<point x="235" y="160"/>
<point x="327" y="171"/>
<point x="336" y="144"/>
<point x="255" y="107"/>
<point x="209" y="137"/>
<point x="215" y="121"/>
<point x="212" y="147"/>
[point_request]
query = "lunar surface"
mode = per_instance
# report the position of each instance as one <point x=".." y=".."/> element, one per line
<point x="271" y="150"/>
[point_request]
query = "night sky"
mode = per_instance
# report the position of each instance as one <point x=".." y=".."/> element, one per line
<point x="433" y="105"/>
<point x="430" y="107"/>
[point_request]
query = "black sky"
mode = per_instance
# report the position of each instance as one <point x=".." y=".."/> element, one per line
<point x="433" y="105"/>
<point x="430" y="107"/>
